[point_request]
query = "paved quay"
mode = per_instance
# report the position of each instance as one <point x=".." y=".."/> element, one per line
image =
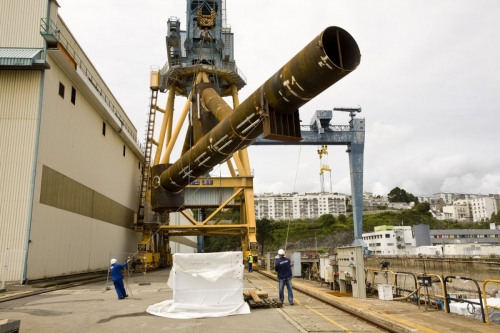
<point x="94" y="307"/>
<point x="404" y="316"/>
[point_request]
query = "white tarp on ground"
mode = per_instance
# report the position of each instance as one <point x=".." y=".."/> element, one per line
<point x="204" y="285"/>
<point x="466" y="309"/>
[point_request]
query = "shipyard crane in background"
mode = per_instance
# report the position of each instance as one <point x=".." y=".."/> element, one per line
<point x="324" y="167"/>
<point x="201" y="68"/>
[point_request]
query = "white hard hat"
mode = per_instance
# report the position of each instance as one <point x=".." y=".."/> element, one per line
<point x="281" y="252"/>
<point x="113" y="261"/>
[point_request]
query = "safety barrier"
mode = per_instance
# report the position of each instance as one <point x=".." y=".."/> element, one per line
<point x="448" y="298"/>
<point x="486" y="306"/>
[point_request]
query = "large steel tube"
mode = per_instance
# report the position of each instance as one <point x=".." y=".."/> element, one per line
<point x="325" y="60"/>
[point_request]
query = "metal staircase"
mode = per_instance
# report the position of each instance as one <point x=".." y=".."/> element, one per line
<point x="147" y="154"/>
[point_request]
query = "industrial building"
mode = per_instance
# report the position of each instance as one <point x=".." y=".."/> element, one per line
<point x="456" y="236"/>
<point x="298" y="206"/>
<point x="71" y="161"/>
<point x="390" y="240"/>
<point x="412" y="240"/>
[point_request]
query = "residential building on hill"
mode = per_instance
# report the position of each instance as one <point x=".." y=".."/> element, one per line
<point x="298" y="206"/>
<point x="482" y="208"/>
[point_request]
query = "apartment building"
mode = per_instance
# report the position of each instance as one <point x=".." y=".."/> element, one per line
<point x="482" y="208"/>
<point x="298" y="206"/>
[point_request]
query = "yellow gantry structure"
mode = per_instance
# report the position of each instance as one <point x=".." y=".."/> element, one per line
<point x="202" y="69"/>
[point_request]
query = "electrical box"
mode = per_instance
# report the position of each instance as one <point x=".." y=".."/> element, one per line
<point x="296" y="264"/>
<point x="424" y="280"/>
<point x="351" y="268"/>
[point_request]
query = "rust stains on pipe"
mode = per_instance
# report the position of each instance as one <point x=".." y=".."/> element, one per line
<point x="315" y="68"/>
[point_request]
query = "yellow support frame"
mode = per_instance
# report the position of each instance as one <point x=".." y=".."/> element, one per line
<point x="241" y="179"/>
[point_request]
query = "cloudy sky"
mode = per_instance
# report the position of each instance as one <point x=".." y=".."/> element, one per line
<point x="428" y="83"/>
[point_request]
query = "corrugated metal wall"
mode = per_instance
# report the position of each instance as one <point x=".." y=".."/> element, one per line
<point x="207" y="196"/>
<point x="92" y="73"/>
<point x="65" y="243"/>
<point x="66" y="236"/>
<point x="86" y="190"/>
<point x="20" y="23"/>
<point x="19" y="99"/>
<point x="72" y="143"/>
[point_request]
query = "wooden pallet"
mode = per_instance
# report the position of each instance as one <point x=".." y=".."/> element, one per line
<point x="260" y="299"/>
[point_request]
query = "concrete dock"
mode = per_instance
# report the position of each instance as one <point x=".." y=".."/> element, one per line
<point x="94" y="307"/>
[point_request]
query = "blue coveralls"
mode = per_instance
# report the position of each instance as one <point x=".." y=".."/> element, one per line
<point x="117" y="278"/>
<point x="284" y="269"/>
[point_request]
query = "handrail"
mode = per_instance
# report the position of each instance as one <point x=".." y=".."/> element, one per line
<point x="486" y="306"/>
<point x="462" y="300"/>
<point x="48" y="27"/>
<point x="414" y="279"/>
<point x="371" y="272"/>
<point x="446" y="307"/>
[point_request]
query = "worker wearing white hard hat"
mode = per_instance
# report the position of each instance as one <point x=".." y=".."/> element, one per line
<point x="117" y="277"/>
<point x="284" y="269"/>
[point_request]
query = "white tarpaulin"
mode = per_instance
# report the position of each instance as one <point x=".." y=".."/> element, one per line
<point x="466" y="309"/>
<point x="204" y="285"/>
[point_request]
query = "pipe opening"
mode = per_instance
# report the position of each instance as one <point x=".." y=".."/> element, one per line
<point x="348" y="57"/>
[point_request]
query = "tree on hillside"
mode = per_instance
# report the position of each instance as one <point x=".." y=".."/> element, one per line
<point x="495" y="217"/>
<point x="422" y="207"/>
<point x="327" y="220"/>
<point x="341" y="218"/>
<point x="399" y="195"/>
<point x="264" y="232"/>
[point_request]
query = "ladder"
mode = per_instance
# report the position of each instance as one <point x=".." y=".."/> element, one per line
<point x="147" y="154"/>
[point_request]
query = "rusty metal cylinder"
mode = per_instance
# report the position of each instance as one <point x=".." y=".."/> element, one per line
<point x="325" y="60"/>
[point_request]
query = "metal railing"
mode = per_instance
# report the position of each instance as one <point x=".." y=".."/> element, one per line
<point x="485" y="303"/>
<point x="231" y="66"/>
<point x="49" y="30"/>
<point x="332" y="128"/>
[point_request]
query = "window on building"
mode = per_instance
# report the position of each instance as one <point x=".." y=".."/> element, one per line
<point x="73" y="95"/>
<point x="61" y="89"/>
<point x="103" y="128"/>
<point x="139" y="166"/>
<point x="387" y="235"/>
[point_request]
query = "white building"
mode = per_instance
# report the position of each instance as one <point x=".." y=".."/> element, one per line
<point x="422" y="199"/>
<point x="298" y="206"/>
<point x="447" y="197"/>
<point x="459" y="211"/>
<point x="455" y="236"/>
<point x="399" y="205"/>
<point x="482" y="208"/>
<point x="369" y="201"/>
<point x="70" y="160"/>
<point x="390" y="240"/>
<point x="468" y="249"/>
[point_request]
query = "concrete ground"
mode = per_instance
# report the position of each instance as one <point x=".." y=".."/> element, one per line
<point x="95" y="308"/>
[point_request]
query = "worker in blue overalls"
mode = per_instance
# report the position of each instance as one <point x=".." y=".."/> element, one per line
<point x="117" y="277"/>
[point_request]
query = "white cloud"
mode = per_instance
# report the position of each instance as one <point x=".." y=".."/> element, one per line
<point x="428" y="83"/>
